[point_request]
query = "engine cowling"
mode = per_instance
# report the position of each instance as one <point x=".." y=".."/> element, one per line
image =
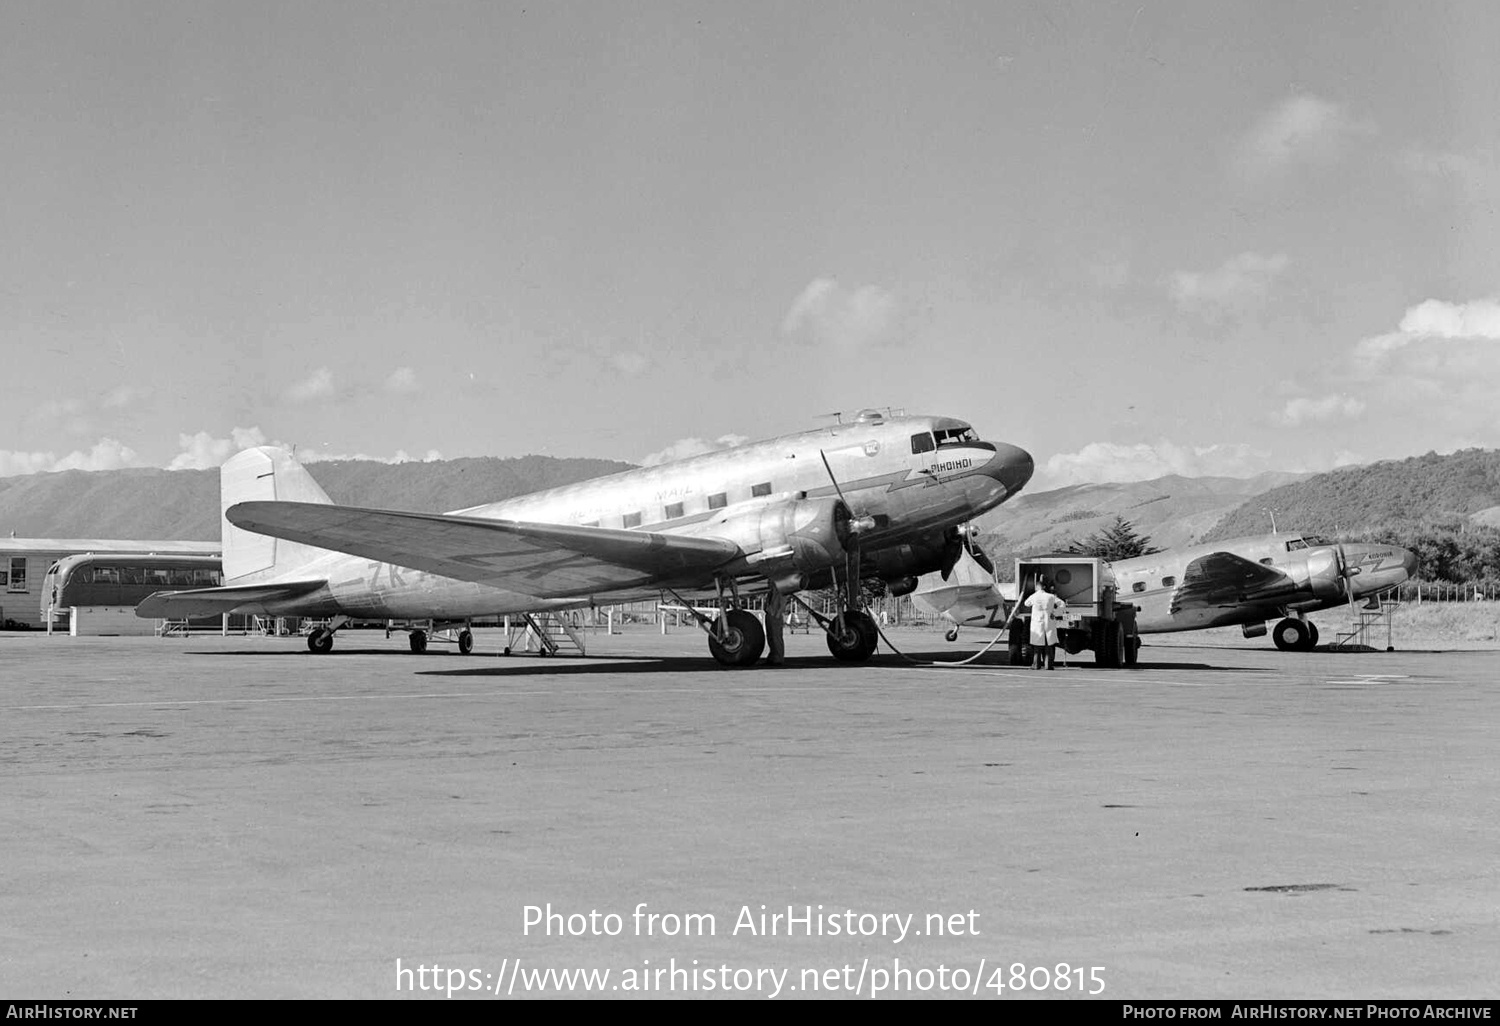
<point x="786" y="537"/>
<point x="1320" y="574"/>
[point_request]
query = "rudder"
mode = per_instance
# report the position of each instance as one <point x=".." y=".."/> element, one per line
<point x="263" y="474"/>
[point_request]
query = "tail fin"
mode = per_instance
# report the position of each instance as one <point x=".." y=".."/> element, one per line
<point x="265" y="473"/>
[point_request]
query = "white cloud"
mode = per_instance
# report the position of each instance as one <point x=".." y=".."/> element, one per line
<point x="317" y="385"/>
<point x="1329" y="407"/>
<point x="1435" y="318"/>
<point x="1239" y="281"/>
<point x="1099" y="462"/>
<point x="685" y="447"/>
<point x="1300" y="130"/>
<point x="629" y="362"/>
<point x="123" y="395"/>
<point x="828" y="314"/>
<point x="402" y="381"/>
<point x="106" y="454"/>
<point x="201" y="451"/>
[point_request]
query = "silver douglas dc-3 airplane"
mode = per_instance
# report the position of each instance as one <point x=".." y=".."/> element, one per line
<point x="1242" y="581"/>
<point x="879" y="496"/>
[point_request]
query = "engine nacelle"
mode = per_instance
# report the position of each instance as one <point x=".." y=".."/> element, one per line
<point x="786" y="537"/>
<point x="1319" y="574"/>
<point x="895" y="562"/>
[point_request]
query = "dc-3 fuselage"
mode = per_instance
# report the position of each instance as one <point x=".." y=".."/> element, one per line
<point x="878" y="496"/>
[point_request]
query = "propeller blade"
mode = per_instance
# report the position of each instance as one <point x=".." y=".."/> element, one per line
<point x="857" y="521"/>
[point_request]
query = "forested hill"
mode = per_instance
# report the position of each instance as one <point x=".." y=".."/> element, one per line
<point x="184" y="504"/>
<point x="1429" y="491"/>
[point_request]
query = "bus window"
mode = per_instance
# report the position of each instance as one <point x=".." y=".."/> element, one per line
<point x="182" y="577"/>
<point x="106" y="575"/>
<point x="205" y="578"/>
<point x="156" y="575"/>
<point x="132" y="575"/>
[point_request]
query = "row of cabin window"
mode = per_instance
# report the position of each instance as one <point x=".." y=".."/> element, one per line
<point x="674" y="511"/>
<point x="1166" y="582"/>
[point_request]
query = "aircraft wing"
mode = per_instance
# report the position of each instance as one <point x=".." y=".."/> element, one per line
<point x="550" y="560"/>
<point x="162" y="605"/>
<point x="1222" y="579"/>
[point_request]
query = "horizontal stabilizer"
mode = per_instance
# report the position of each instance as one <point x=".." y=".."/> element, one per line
<point x="163" y="605"/>
<point x="553" y="560"/>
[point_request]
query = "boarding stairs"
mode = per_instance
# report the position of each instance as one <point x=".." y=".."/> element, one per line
<point x="543" y="633"/>
<point x="1369" y="623"/>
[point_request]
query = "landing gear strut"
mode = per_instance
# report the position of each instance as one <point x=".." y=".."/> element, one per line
<point x="736" y="639"/>
<point x="320" y="641"/>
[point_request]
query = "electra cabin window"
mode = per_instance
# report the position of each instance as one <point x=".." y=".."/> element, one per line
<point x="1138" y="586"/>
<point x="764" y="488"/>
<point x="673" y="511"/>
<point x="718" y="500"/>
<point x="632" y="520"/>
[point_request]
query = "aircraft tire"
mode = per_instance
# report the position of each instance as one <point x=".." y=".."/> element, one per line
<point x="1312" y="635"/>
<point x="465" y="642"/>
<point x="858" y="640"/>
<point x="418" y="641"/>
<point x="952" y="634"/>
<point x="743" y="642"/>
<point x="1291" y="635"/>
<point x="320" y="641"/>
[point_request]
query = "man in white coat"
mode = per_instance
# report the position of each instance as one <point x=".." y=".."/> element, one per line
<point x="1047" y="611"/>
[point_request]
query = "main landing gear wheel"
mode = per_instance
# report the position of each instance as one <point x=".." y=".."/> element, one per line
<point x="320" y="641"/>
<point x="743" y="639"/>
<point x="857" y="641"/>
<point x="1292" y="635"/>
<point x="465" y="642"/>
<point x="418" y="641"/>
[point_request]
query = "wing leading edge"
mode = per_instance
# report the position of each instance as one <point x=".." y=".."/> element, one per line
<point x="547" y="560"/>
<point x="1222" y="579"/>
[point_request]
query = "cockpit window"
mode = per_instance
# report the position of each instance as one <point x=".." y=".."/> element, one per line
<point x="956" y="436"/>
<point x="1295" y="544"/>
<point x="922" y="443"/>
<point x="1316" y="539"/>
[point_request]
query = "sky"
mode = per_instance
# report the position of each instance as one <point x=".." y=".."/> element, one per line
<point x="1136" y="239"/>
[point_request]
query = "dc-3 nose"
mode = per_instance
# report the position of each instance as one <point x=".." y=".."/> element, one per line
<point x="1012" y="467"/>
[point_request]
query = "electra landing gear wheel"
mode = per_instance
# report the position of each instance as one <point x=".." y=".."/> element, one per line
<point x="857" y="641"/>
<point x="1292" y="635"/>
<point x="465" y="642"/>
<point x="736" y="639"/>
<point x="418" y="642"/>
<point x="320" y="641"/>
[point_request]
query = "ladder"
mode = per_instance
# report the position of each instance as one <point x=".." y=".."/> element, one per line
<point x="543" y="633"/>
<point x="1364" y="630"/>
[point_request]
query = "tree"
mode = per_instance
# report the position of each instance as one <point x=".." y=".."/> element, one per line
<point x="1118" y="541"/>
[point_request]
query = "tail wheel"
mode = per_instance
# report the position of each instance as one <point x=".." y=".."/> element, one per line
<point x="465" y="642"/>
<point x="743" y="639"/>
<point x="1291" y="635"/>
<point x="952" y="634"/>
<point x="858" y="639"/>
<point x="418" y="642"/>
<point x="320" y="641"/>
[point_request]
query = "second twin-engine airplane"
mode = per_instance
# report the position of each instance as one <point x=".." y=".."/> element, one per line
<point x="878" y="497"/>
<point x="1242" y="581"/>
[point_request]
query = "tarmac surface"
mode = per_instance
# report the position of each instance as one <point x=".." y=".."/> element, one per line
<point x="234" y="817"/>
